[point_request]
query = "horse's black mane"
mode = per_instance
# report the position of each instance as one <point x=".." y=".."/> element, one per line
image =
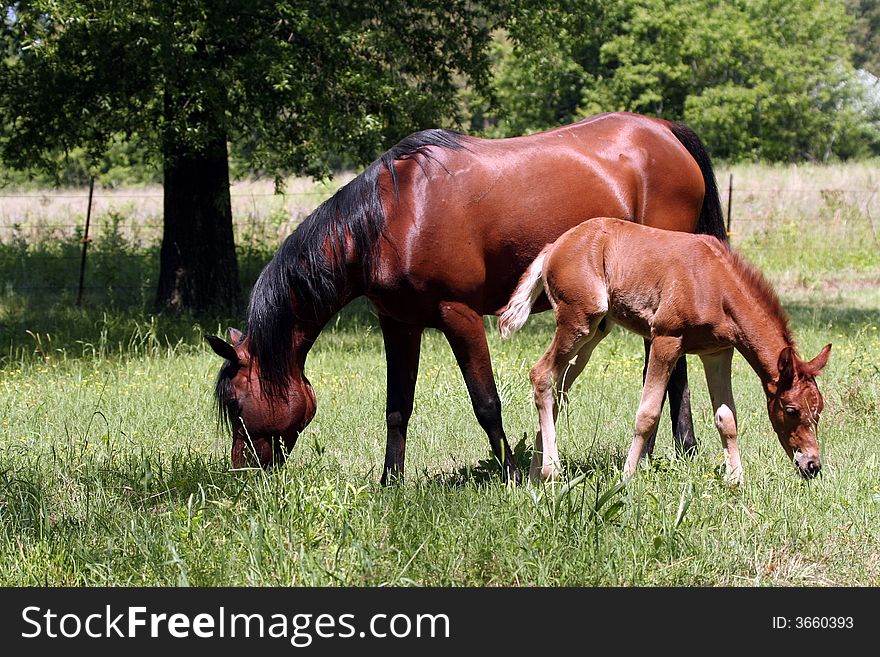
<point x="227" y="406"/>
<point x="304" y="283"/>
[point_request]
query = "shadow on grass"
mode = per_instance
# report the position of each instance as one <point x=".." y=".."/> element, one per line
<point x="40" y="280"/>
<point x="30" y="328"/>
<point x="488" y="471"/>
<point x="142" y="480"/>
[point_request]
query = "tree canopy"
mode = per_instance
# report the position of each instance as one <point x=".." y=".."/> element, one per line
<point x="757" y="79"/>
<point x="865" y="34"/>
<point x="296" y="86"/>
<point x="291" y="84"/>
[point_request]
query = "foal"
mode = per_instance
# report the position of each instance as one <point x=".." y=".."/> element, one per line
<point x="689" y="294"/>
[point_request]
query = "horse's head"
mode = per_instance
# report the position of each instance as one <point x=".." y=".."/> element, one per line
<point x="264" y="426"/>
<point x="794" y="404"/>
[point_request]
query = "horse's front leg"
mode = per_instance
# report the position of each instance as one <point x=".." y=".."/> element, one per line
<point x="466" y="334"/>
<point x="665" y="351"/>
<point x="402" y="347"/>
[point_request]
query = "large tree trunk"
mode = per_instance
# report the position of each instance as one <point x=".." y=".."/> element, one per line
<point x="198" y="269"/>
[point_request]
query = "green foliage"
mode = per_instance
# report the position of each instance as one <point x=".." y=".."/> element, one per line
<point x="112" y="471"/>
<point x="123" y="163"/>
<point x="865" y="34"/>
<point x="292" y="84"/>
<point x="757" y="79"/>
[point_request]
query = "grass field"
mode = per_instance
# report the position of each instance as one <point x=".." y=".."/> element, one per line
<point x="113" y="472"/>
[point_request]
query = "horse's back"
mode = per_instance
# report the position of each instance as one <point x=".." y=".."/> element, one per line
<point x="467" y="224"/>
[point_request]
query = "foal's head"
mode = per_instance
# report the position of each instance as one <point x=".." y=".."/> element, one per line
<point x="794" y="404"/>
<point x="264" y="426"/>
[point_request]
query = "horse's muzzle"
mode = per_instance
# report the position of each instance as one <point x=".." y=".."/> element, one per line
<point x="260" y="452"/>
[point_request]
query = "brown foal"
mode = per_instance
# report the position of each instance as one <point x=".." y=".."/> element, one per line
<point x="688" y="294"/>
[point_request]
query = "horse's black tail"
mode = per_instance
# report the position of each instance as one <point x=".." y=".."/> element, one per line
<point x="711" y="220"/>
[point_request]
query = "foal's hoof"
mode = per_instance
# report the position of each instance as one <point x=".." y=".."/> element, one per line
<point x="733" y="478"/>
<point x="545" y="473"/>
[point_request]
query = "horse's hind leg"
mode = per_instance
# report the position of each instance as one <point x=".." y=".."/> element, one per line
<point x="665" y="351"/>
<point x="402" y="348"/>
<point x="679" y="407"/>
<point x="717" y="368"/>
<point x="577" y="334"/>
<point x="465" y="331"/>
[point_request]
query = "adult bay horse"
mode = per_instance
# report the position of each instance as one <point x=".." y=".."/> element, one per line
<point x="688" y="294"/>
<point x="436" y="233"/>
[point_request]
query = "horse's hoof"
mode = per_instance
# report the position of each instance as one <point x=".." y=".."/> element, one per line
<point x="688" y="447"/>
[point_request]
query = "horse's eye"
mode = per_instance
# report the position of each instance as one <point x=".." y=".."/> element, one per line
<point x="792" y="411"/>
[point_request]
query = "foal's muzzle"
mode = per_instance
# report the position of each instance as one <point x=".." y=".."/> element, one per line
<point x="808" y="467"/>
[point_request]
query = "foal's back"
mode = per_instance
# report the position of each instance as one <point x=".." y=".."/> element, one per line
<point x="652" y="281"/>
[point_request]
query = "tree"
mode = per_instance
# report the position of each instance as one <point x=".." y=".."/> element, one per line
<point x="543" y="60"/>
<point x="865" y="34"/>
<point x="757" y="79"/>
<point x="289" y="83"/>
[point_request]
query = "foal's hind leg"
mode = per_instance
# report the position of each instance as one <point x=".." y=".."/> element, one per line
<point x="717" y="368"/>
<point x="665" y="351"/>
<point x="575" y="338"/>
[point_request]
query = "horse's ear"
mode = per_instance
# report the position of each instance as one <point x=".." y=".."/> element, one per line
<point x="222" y="348"/>
<point x="235" y="336"/>
<point x="786" y="367"/>
<point x="815" y="366"/>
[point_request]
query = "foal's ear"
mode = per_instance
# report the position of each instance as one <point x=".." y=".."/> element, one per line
<point x="786" y="367"/>
<point x="815" y="366"/>
<point x="235" y="336"/>
<point x="222" y="348"/>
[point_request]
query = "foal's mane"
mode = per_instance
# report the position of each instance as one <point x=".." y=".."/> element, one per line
<point x="763" y="292"/>
<point x="304" y="282"/>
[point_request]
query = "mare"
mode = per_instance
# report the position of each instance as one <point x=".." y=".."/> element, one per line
<point x="688" y="294"/>
<point x="436" y="233"/>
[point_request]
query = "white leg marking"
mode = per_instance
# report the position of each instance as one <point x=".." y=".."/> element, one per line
<point x="718" y="368"/>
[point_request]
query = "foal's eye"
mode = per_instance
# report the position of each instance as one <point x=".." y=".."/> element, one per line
<point x="792" y="411"/>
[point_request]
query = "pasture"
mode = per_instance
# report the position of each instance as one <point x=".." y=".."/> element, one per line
<point x="113" y="470"/>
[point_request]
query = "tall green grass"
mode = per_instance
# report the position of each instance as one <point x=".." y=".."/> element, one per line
<point x="113" y="470"/>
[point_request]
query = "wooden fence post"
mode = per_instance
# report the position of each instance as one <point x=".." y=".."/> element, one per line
<point x="729" y="201"/>
<point x="85" y="241"/>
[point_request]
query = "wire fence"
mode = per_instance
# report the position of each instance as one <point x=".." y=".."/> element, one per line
<point x="43" y="248"/>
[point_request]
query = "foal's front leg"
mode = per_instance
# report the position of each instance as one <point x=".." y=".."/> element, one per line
<point x="665" y="351"/>
<point x="679" y="407"/>
<point x="717" y="368"/>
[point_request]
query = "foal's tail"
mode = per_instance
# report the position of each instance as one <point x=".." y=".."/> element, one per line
<point x="527" y="291"/>
<point x="711" y="221"/>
